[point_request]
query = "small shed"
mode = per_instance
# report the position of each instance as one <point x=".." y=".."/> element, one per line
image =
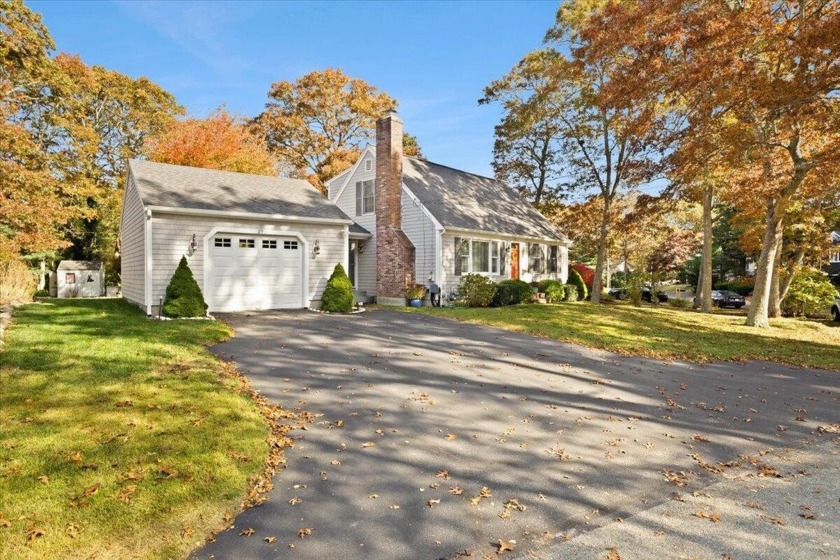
<point x="80" y="279"/>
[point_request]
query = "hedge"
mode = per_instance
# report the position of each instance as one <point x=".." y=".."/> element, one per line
<point x="512" y="292"/>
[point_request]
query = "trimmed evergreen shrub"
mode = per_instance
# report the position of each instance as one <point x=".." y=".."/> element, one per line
<point x="571" y="293"/>
<point x="680" y="303"/>
<point x="576" y="280"/>
<point x="338" y="295"/>
<point x="183" y="296"/>
<point x="476" y="290"/>
<point x="512" y="292"/>
<point x="556" y="292"/>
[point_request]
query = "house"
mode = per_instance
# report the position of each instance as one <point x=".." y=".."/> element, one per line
<point x="437" y="224"/>
<point x="256" y="242"/>
<point x="79" y="279"/>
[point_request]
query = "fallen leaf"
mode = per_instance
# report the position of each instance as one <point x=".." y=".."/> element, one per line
<point x="4" y="523"/>
<point x="72" y="531"/>
<point x="444" y="474"/>
<point x="373" y="496"/>
<point x="247" y="532"/>
<point x="270" y="540"/>
<point x="456" y="491"/>
<point x="304" y="532"/>
<point x="485" y="493"/>
<point x="295" y="501"/>
<point x="450" y="437"/>
<point x="127" y="492"/>
<point x="613" y="554"/>
<point x="431" y="503"/>
<point x="697" y="437"/>
<point x="806" y="515"/>
<point x="395" y="506"/>
<point x="504" y="546"/>
<point x="713" y="517"/>
<point x="368" y="444"/>
<point x="335" y="463"/>
<point x="44" y="479"/>
<point x="75" y="457"/>
<point x="32" y="533"/>
<point x="92" y="489"/>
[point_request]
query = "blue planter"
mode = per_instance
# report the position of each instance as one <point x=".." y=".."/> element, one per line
<point x="415" y="302"/>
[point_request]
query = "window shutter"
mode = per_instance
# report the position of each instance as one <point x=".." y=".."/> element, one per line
<point x="359" y="194"/>
<point x="553" y="261"/>
<point x="457" y="256"/>
<point x="502" y="252"/>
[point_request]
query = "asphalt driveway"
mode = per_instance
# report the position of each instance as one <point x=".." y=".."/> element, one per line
<point x="435" y="438"/>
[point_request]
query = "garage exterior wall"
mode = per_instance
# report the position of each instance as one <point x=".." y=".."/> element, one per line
<point x="449" y="282"/>
<point x="171" y="235"/>
<point x="366" y="264"/>
<point x="133" y="246"/>
<point x="420" y="229"/>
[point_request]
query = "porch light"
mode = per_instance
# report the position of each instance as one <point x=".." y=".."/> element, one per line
<point x="192" y="247"/>
<point x="316" y="249"/>
<point x="360" y="248"/>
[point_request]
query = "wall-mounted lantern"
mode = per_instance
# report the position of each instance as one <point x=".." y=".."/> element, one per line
<point x="192" y="247"/>
<point x="360" y="248"/>
<point x="316" y="249"/>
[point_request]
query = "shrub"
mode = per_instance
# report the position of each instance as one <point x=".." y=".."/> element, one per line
<point x="554" y="290"/>
<point x="417" y="291"/>
<point x="338" y="294"/>
<point x="679" y="303"/>
<point x="571" y="293"/>
<point x="476" y="290"/>
<point x="17" y="283"/>
<point x="512" y="292"/>
<point x="575" y="279"/>
<point x="741" y="285"/>
<point x="810" y="293"/>
<point x="183" y="296"/>
<point x="42" y="293"/>
<point x="586" y="273"/>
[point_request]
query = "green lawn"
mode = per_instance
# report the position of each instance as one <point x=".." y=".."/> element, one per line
<point x="121" y="437"/>
<point x="665" y="332"/>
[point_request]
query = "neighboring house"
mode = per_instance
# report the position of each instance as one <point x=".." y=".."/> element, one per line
<point x="451" y="221"/>
<point x="832" y="267"/>
<point x="79" y="279"/>
<point x="256" y="242"/>
<point x="252" y="242"/>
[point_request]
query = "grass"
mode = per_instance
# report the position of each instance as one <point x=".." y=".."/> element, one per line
<point x="121" y="437"/>
<point x="665" y="332"/>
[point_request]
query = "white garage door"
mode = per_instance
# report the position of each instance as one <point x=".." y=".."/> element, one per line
<point x="255" y="272"/>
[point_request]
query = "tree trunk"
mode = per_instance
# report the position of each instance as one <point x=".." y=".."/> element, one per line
<point x="705" y="283"/>
<point x="775" y="307"/>
<point x="602" y="251"/>
<point x="785" y="286"/>
<point x="758" y="314"/>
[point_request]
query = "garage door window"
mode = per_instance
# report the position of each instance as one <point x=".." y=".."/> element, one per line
<point x="269" y="244"/>
<point x="222" y="242"/>
<point x="290" y="244"/>
<point x="246" y="244"/>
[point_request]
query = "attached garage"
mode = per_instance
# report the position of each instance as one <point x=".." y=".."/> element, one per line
<point x="252" y="242"/>
<point x="247" y="271"/>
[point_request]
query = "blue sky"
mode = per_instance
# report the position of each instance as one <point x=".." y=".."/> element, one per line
<point x="433" y="57"/>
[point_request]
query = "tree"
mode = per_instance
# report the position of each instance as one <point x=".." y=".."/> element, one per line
<point x="411" y="147"/>
<point x="183" y="295"/>
<point x="318" y="124"/>
<point x="760" y="76"/>
<point x="604" y="148"/>
<point x="221" y="141"/>
<point x="31" y="211"/>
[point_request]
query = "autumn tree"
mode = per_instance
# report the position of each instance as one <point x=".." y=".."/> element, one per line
<point x="411" y="146"/>
<point x="601" y="148"/>
<point x="221" y="141"/>
<point x="761" y="75"/>
<point x="31" y="210"/>
<point x="318" y="124"/>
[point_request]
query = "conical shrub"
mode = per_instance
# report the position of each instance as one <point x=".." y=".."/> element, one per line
<point x="338" y="295"/>
<point x="183" y="296"/>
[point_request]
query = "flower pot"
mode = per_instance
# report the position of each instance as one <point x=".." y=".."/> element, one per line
<point x="415" y="302"/>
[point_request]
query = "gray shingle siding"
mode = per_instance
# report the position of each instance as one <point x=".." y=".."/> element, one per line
<point x="346" y="202"/>
<point x="133" y="246"/>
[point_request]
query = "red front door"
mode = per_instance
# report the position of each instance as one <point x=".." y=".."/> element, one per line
<point x="514" y="261"/>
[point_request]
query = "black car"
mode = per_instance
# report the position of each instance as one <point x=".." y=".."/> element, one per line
<point x="726" y="298"/>
<point x="835" y="309"/>
<point x="621" y="293"/>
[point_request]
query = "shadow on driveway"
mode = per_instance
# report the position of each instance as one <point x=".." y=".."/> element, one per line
<point x="416" y="410"/>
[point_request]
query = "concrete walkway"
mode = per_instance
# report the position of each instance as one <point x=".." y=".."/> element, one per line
<point x="435" y="438"/>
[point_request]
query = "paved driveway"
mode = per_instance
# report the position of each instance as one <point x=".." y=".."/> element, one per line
<point x="435" y="437"/>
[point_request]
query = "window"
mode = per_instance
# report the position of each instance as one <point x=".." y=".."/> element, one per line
<point x="290" y="245"/>
<point x="246" y="244"/>
<point x="221" y="242"/>
<point x="834" y="257"/>
<point x="537" y="258"/>
<point x="477" y="256"/>
<point x="552" y="258"/>
<point x="70" y="278"/>
<point x="364" y="197"/>
<point x="269" y="244"/>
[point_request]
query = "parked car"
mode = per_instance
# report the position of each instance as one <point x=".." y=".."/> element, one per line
<point x="621" y="293"/>
<point x="726" y="298"/>
<point x="835" y="309"/>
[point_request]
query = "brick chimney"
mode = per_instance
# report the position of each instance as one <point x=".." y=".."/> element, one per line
<point x="394" y="251"/>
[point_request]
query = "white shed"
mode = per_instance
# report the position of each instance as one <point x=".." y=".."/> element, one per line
<point x="80" y="279"/>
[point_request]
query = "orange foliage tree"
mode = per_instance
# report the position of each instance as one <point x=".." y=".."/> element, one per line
<point x="221" y="141"/>
<point x="760" y="77"/>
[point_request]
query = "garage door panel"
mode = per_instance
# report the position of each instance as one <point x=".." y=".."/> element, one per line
<point x="267" y="276"/>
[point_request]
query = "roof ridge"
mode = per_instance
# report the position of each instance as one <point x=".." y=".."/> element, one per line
<point x="211" y="170"/>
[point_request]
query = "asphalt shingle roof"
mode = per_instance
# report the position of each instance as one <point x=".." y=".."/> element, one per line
<point x="178" y="186"/>
<point x="79" y="265"/>
<point x="462" y="200"/>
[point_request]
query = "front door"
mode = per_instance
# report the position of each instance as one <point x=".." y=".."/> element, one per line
<point x="514" y="261"/>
